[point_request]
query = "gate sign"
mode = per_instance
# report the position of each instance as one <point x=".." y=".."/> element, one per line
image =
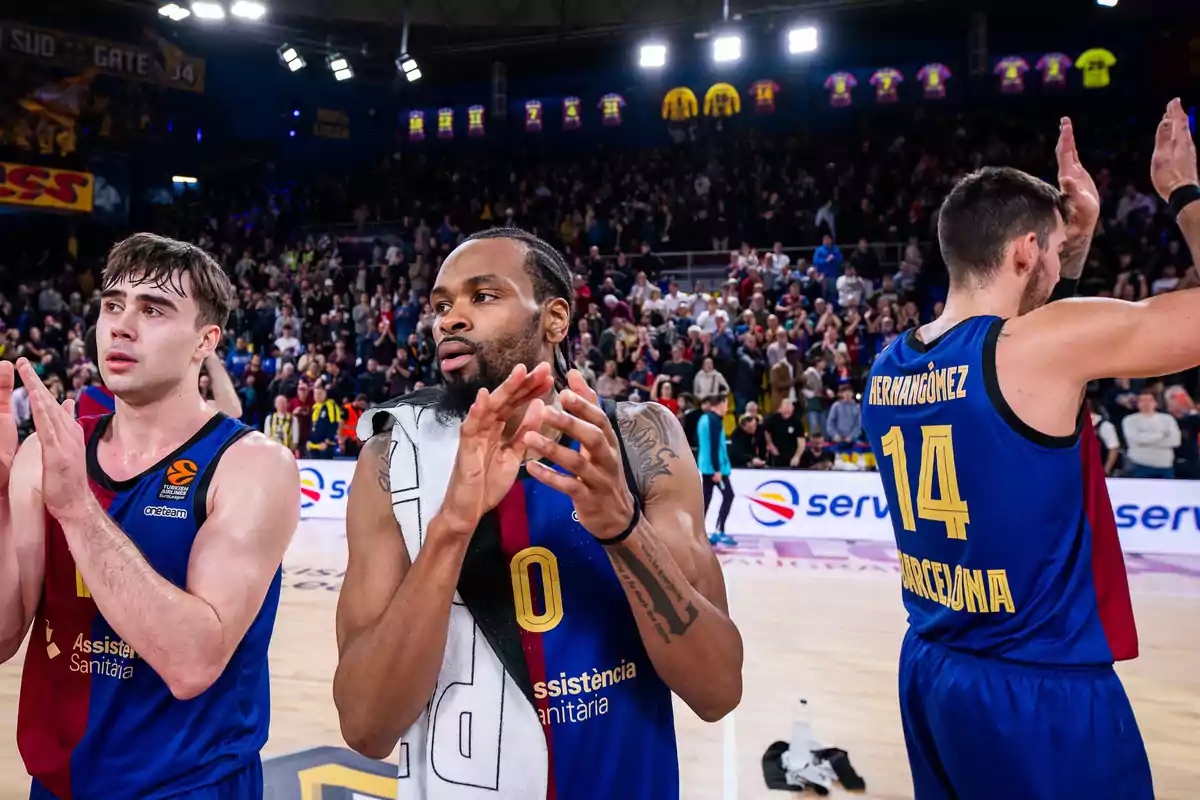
<point x="164" y="64"/>
<point x="42" y="187"/>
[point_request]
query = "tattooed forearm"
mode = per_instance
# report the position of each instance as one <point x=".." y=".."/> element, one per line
<point x="654" y="591"/>
<point x="380" y="447"/>
<point x="1074" y="255"/>
<point x="647" y="441"/>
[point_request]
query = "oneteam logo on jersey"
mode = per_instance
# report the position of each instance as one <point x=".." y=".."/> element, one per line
<point x="166" y="511"/>
<point x="774" y="503"/>
<point x="178" y="481"/>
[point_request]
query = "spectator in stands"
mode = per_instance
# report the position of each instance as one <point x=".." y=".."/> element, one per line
<point x="844" y="424"/>
<point x="746" y="447"/>
<point x="326" y="424"/>
<point x="1106" y="432"/>
<point x="610" y="385"/>
<point x="816" y="455"/>
<point x="784" y="436"/>
<point x="812" y="389"/>
<point x="1152" y="437"/>
<point x="281" y="426"/>
<point x="1187" y="454"/>
<point x="708" y="381"/>
<point x="828" y="259"/>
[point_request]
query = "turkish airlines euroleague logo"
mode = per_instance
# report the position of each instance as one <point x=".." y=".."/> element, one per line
<point x="180" y="476"/>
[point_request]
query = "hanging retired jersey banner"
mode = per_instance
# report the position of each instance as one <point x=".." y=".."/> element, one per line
<point x="416" y="126"/>
<point x="445" y="123"/>
<point x="933" y="79"/>
<point x="610" y="109"/>
<point x="680" y="104"/>
<point x="722" y="100"/>
<point x="1053" y="67"/>
<point x="1011" y="70"/>
<point x="475" y="121"/>
<point x="533" y="115"/>
<point x="840" y="85"/>
<point x="765" y="92"/>
<point x="887" y="84"/>
<point x="571" y="119"/>
<point x="1095" y="64"/>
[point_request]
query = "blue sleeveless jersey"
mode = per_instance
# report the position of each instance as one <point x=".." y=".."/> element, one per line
<point x="997" y="551"/>
<point x="607" y="715"/>
<point x="95" y="721"/>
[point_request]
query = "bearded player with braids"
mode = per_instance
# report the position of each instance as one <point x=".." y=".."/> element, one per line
<point x="529" y="577"/>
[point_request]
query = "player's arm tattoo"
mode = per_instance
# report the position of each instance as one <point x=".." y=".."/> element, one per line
<point x="639" y="560"/>
<point x="647" y="443"/>
<point x="380" y="446"/>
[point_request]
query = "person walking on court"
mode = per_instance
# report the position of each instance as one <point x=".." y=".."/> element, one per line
<point x="1017" y="602"/>
<point x="715" y="468"/>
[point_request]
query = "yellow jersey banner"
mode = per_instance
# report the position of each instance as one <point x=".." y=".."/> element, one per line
<point x="163" y="63"/>
<point x="1095" y="64"/>
<point x="42" y="187"/>
<point x="722" y="100"/>
<point x="680" y="104"/>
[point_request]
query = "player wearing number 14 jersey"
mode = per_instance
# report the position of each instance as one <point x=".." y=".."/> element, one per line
<point x="1013" y="582"/>
<point x="529" y="577"/>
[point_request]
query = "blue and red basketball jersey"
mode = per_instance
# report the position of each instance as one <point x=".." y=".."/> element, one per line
<point x="1006" y="541"/>
<point x="94" y="401"/>
<point x="594" y="687"/>
<point x="95" y="721"/>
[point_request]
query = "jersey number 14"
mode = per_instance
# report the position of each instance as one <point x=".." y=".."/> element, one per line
<point x="937" y="471"/>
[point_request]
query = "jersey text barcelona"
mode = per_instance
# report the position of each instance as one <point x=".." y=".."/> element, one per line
<point x="993" y="522"/>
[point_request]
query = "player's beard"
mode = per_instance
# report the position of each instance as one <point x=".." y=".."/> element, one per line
<point x="1038" y="289"/>
<point x="494" y="362"/>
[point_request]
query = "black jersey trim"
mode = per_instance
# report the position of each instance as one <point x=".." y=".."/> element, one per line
<point x="200" y="496"/>
<point x="991" y="383"/>
<point x="485" y="586"/>
<point x="101" y="478"/>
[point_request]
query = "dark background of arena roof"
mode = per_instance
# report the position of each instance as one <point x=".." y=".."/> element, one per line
<point x="457" y="40"/>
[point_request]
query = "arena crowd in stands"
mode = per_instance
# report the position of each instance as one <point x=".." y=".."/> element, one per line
<point x="332" y="320"/>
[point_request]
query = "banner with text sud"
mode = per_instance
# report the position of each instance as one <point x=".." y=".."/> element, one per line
<point x="43" y="187"/>
<point x="1153" y="516"/>
<point x="159" y="62"/>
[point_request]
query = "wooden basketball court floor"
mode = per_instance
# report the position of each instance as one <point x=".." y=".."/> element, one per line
<point x="821" y="620"/>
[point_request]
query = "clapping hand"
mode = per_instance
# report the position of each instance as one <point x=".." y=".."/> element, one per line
<point x="1173" y="164"/>
<point x="488" y="460"/>
<point x="1076" y="184"/>
<point x="595" y="476"/>
<point x="64" y="456"/>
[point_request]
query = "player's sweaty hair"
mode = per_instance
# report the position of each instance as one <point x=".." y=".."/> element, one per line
<point x="151" y="260"/>
<point x="986" y="211"/>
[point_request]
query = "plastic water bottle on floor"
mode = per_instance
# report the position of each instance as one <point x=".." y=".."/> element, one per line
<point x="802" y="742"/>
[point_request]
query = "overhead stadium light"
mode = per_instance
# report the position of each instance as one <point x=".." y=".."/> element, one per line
<point x="1107" y="3"/>
<point x="183" y="179"/>
<point x="248" y="9"/>
<point x="339" y="66"/>
<point x="407" y="65"/>
<point x="290" y="58"/>
<point x="727" y="48"/>
<point x="802" y="40"/>
<point x="652" y="55"/>
<point x="173" y="12"/>
<point x="206" y="10"/>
